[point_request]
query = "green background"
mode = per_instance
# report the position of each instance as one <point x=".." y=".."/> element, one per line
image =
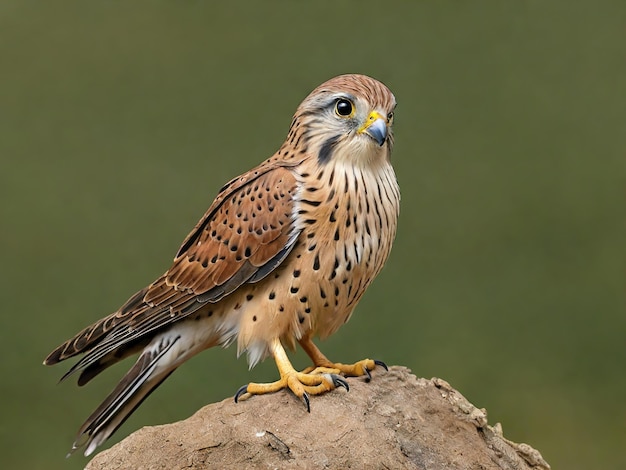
<point x="119" y="121"/>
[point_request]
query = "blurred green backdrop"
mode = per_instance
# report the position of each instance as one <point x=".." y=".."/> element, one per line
<point x="119" y="121"/>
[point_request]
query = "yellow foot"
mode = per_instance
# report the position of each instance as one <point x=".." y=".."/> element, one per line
<point x="301" y="384"/>
<point x="322" y="363"/>
<point x="357" y="369"/>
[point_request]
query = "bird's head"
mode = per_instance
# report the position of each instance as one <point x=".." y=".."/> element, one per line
<point x="348" y="118"/>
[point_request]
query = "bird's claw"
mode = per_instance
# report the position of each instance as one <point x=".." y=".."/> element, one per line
<point x="242" y="390"/>
<point x="381" y="364"/>
<point x="335" y="379"/>
<point x="307" y="402"/>
<point x="368" y="376"/>
<point x="339" y="381"/>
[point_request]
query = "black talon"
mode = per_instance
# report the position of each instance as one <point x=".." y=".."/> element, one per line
<point x="340" y="382"/>
<point x="240" y="392"/>
<point x="305" y="398"/>
<point x="382" y="364"/>
<point x="367" y="373"/>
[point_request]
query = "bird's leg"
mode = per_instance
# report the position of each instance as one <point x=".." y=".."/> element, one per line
<point x="301" y="384"/>
<point x="322" y="365"/>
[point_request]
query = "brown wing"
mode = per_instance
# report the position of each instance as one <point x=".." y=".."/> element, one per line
<point x="242" y="232"/>
<point x="245" y="234"/>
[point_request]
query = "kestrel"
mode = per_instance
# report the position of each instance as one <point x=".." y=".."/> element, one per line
<point x="283" y="254"/>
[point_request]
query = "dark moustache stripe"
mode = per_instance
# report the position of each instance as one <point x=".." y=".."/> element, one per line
<point x="327" y="149"/>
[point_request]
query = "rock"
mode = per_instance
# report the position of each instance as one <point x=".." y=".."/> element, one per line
<point x="394" y="421"/>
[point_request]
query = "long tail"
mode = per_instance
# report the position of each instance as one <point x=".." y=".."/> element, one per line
<point x="157" y="361"/>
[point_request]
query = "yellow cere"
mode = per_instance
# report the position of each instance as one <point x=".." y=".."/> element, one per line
<point x="374" y="115"/>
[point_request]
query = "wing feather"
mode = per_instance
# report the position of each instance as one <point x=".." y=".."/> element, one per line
<point x="246" y="233"/>
<point x="248" y="225"/>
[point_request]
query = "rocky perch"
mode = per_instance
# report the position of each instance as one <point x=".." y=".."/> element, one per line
<point x="395" y="421"/>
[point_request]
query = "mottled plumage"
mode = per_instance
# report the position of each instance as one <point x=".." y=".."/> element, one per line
<point x="283" y="254"/>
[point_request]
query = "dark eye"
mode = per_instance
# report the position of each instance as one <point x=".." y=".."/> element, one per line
<point x="389" y="117"/>
<point x="343" y="108"/>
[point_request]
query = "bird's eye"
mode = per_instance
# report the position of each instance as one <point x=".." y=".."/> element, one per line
<point x="389" y="117"/>
<point x="344" y="108"/>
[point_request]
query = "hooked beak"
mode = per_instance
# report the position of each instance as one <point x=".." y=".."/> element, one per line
<point x="376" y="127"/>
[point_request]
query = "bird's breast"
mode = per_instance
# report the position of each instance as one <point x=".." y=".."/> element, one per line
<point x="348" y="215"/>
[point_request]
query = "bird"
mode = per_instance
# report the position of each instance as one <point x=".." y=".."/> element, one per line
<point x="282" y="256"/>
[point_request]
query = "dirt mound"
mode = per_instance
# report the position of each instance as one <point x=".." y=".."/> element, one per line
<point x="394" y="421"/>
